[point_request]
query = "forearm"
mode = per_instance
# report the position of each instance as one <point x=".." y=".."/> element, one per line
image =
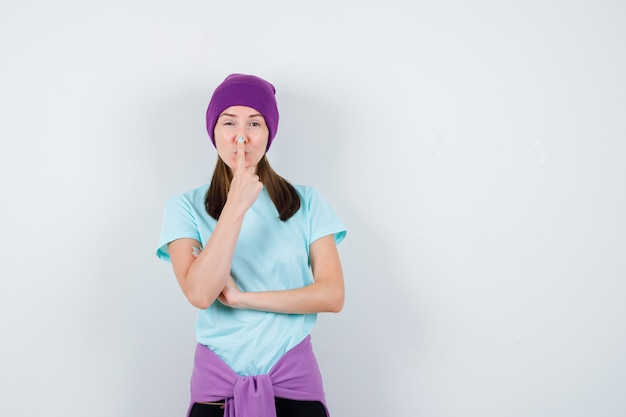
<point x="326" y="294"/>
<point x="315" y="298"/>
<point x="209" y="271"/>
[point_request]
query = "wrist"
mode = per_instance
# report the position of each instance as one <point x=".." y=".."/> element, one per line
<point x="243" y="300"/>
<point x="233" y="211"/>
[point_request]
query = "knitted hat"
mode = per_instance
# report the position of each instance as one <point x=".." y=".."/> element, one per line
<point x="244" y="90"/>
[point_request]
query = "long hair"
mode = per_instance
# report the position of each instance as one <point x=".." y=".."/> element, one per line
<point x="283" y="194"/>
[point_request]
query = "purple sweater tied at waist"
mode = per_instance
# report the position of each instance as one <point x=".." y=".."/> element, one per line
<point x="296" y="376"/>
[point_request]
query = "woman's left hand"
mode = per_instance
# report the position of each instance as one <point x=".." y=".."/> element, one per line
<point x="231" y="295"/>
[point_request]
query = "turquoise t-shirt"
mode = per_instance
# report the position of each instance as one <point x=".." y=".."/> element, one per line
<point x="270" y="255"/>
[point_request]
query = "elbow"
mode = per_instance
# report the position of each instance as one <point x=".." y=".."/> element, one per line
<point x="336" y="301"/>
<point x="201" y="305"/>
<point x="199" y="301"/>
<point x="336" y="308"/>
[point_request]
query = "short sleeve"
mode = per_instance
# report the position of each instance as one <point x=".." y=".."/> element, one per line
<point x="179" y="222"/>
<point x="324" y="220"/>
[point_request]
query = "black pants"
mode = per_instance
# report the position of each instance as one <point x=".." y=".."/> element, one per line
<point x="284" y="408"/>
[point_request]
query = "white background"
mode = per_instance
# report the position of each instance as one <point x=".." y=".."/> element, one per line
<point x="473" y="149"/>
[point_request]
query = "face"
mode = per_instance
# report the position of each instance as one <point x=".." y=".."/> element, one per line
<point x="241" y="121"/>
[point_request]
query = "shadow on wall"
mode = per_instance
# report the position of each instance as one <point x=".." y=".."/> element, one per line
<point x="354" y="348"/>
<point x="145" y="326"/>
<point x="370" y="350"/>
<point x="184" y="156"/>
<point x="307" y="146"/>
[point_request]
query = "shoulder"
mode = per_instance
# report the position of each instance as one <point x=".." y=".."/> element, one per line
<point x="306" y="192"/>
<point x="188" y="204"/>
<point x="311" y="198"/>
<point x="189" y="197"/>
<point x="319" y="214"/>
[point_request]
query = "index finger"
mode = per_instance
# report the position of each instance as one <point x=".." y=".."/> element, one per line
<point x="241" y="154"/>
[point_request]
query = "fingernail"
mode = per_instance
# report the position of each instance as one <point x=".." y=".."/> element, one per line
<point x="240" y="139"/>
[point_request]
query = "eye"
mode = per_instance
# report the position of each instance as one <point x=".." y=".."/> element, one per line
<point x="255" y="123"/>
<point x="228" y="123"/>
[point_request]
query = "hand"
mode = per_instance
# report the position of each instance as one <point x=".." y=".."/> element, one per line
<point x="245" y="186"/>
<point x="231" y="294"/>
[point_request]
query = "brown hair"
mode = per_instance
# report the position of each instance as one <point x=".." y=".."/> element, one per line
<point x="283" y="194"/>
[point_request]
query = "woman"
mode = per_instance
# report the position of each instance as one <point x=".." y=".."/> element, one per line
<point x="258" y="257"/>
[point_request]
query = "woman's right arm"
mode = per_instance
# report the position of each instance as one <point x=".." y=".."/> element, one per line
<point x="203" y="278"/>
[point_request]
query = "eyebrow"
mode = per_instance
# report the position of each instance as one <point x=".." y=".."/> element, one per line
<point x="234" y="115"/>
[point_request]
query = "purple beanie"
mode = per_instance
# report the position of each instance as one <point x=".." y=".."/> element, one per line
<point x="244" y="90"/>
